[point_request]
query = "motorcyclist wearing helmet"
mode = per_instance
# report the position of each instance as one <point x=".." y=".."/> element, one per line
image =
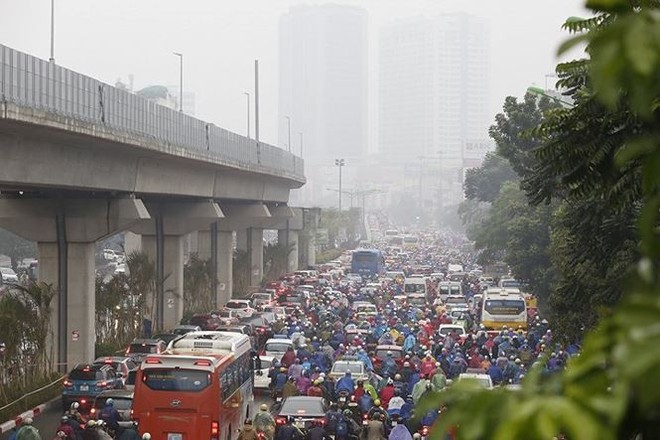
<point x="346" y="383"/>
<point x="264" y="423"/>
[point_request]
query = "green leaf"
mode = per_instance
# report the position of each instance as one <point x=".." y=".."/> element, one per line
<point x="640" y="50"/>
<point x="607" y="5"/>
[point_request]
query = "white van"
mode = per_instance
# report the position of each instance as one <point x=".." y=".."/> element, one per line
<point x="414" y="285"/>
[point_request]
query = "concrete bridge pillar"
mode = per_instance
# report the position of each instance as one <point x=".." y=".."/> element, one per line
<point x="289" y="238"/>
<point x="65" y="231"/>
<point x="251" y="240"/>
<point x="172" y="277"/>
<point x="163" y="241"/>
<point x="224" y="260"/>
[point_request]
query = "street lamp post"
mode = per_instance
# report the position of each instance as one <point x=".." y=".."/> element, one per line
<point x="180" y="55"/>
<point x="247" y="95"/>
<point x="534" y="90"/>
<point x="288" y="119"/>
<point x="340" y="163"/>
<point x="52" y="31"/>
<point x="301" y="143"/>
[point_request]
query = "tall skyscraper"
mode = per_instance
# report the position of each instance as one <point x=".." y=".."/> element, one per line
<point x="434" y="94"/>
<point x="323" y="81"/>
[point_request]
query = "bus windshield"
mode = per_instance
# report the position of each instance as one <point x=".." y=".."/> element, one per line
<point x="168" y="379"/>
<point x="504" y="306"/>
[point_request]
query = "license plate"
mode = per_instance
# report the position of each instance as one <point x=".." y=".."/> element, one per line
<point x="171" y="436"/>
<point x="84" y="387"/>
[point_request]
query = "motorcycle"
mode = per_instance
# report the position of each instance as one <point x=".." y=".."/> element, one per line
<point x="343" y="399"/>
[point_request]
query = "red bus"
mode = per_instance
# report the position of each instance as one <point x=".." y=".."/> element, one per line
<point x="200" y="388"/>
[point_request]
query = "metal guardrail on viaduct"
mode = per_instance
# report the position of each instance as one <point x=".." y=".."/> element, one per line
<point x="68" y="100"/>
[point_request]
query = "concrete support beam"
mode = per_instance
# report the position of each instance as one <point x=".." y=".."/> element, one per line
<point x="173" y="280"/>
<point x="65" y="231"/>
<point x="179" y="218"/>
<point x="225" y="268"/>
<point x="290" y="238"/>
<point x="251" y="240"/>
<point x="225" y="261"/>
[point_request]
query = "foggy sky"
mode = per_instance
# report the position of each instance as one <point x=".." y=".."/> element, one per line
<point x="108" y="39"/>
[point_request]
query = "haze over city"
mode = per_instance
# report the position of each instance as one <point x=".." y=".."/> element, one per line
<point x="220" y="40"/>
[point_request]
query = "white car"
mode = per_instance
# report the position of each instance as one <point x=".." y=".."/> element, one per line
<point x="277" y="347"/>
<point x="483" y="380"/>
<point x="243" y="307"/>
<point x="262" y="298"/>
<point x="261" y="379"/>
<point x="8" y="275"/>
<point x="277" y="311"/>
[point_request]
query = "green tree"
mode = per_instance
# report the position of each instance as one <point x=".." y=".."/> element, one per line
<point x="198" y="286"/>
<point x="25" y="328"/>
<point x="276" y="260"/>
<point x="609" y="391"/>
<point x="520" y="235"/>
<point x="484" y="183"/>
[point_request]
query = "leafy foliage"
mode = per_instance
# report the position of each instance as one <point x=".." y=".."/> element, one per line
<point x="521" y="233"/>
<point x="484" y="183"/>
<point x="25" y="320"/>
<point x="198" y="286"/>
<point x="611" y="390"/>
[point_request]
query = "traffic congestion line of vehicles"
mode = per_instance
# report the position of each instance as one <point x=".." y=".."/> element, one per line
<point x="197" y="381"/>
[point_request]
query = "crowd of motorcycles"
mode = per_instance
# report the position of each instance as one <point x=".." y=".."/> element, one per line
<point x="384" y="403"/>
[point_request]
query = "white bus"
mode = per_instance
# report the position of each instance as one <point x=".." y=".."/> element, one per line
<point x="503" y="307"/>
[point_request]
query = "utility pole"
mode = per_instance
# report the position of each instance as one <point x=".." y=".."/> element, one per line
<point x="288" y="119"/>
<point x="256" y="100"/>
<point x="180" y="55"/>
<point x="301" y="143"/>
<point x="340" y="163"/>
<point x="52" y="31"/>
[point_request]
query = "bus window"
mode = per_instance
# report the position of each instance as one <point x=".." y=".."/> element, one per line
<point x="176" y="379"/>
<point x="504" y="306"/>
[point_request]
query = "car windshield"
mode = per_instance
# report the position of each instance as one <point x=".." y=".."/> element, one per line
<point x="265" y="364"/>
<point x="170" y="379"/>
<point x="382" y="353"/>
<point x="235" y="305"/>
<point x="142" y="348"/>
<point x="226" y="314"/>
<point x="301" y="407"/>
<point x="447" y="330"/>
<point x="456" y="300"/>
<point x="277" y="347"/>
<point x="265" y="296"/>
<point x="343" y="367"/>
<point x="481" y="381"/>
<point x="85" y="374"/>
<point x="119" y="403"/>
<point x="292" y="298"/>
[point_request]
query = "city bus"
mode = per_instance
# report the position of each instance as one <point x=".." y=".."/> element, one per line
<point x="503" y="307"/>
<point x="199" y="388"/>
<point x="367" y="262"/>
<point x="410" y="241"/>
